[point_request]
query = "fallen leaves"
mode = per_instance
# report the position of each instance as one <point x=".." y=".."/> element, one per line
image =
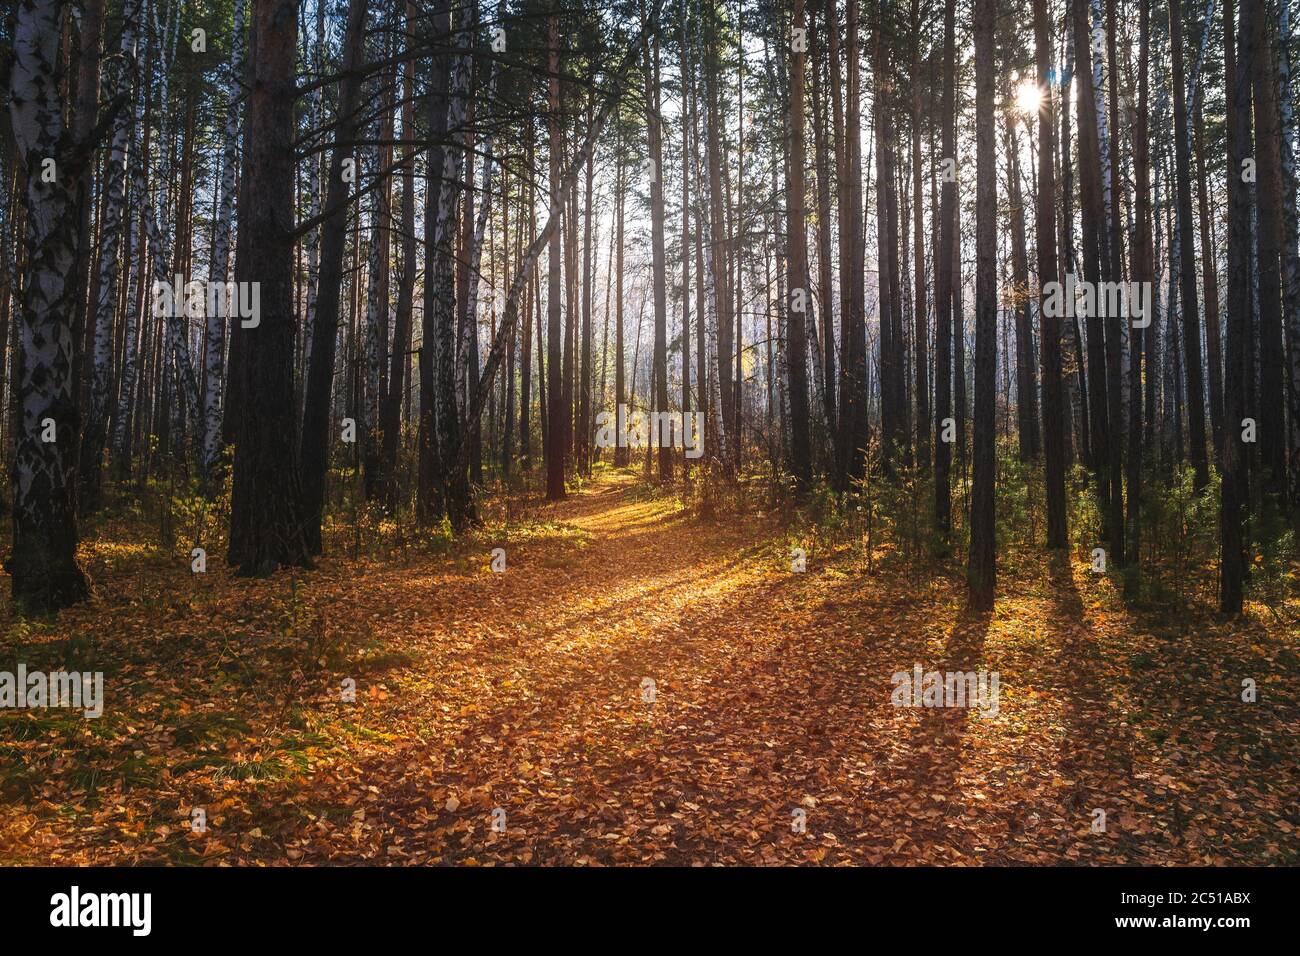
<point x="523" y="692"/>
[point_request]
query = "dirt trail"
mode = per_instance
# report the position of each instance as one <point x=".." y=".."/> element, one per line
<point x="771" y="712"/>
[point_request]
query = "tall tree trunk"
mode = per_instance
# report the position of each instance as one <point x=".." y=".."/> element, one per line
<point x="853" y="380"/>
<point x="440" y="322"/>
<point x="85" y="117"/>
<point x="1233" y="487"/>
<point x="467" y="350"/>
<point x="43" y="563"/>
<point x="430" y="501"/>
<point x="1113" y="190"/>
<point x="1026" y="379"/>
<point x="886" y="266"/>
<point x="317" y="402"/>
<point x="316" y="116"/>
<point x="620" y="359"/>
<point x="134" y="294"/>
<point x="526" y="356"/>
<point x="572" y="313"/>
<point x="1073" y="367"/>
<point x="897" y="285"/>
<point x="1187" y="293"/>
<point x="117" y="86"/>
<point x="266" y="509"/>
<point x="214" y="352"/>
<point x="1210" y="271"/>
<point x="1055" y="435"/>
<point x="1290" y="249"/>
<point x="720" y="267"/>
<point x="1143" y="272"/>
<point x="918" y="256"/>
<point x="686" y="234"/>
<point x="981" y="573"/>
<point x="1096" y="256"/>
<point x="799" y="293"/>
<point x="654" y="132"/>
<point x="703" y="295"/>
<point x="824" y="274"/>
<point x="1269" y="238"/>
<point x="390" y="418"/>
<point x="555" y="410"/>
<point x="375" y="331"/>
<point x="943" y="285"/>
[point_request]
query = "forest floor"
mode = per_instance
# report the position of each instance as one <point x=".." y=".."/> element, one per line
<point x="521" y="698"/>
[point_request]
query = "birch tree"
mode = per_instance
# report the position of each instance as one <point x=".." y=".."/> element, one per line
<point x="219" y="266"/>
<point x="43" y="563"/>
<point x="117" y="84"/>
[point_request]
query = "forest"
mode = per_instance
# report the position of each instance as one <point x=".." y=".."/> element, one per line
<point x="757" y="432"/>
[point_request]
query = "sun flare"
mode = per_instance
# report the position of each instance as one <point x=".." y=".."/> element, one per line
<point x="1029" y="97"/>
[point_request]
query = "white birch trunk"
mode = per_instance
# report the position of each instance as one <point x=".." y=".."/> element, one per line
<point x="117" y="76"/>
<point x="1103" y="130"/>
<point x="43" y="562"/>
<point x="219" y="265"/>
<point x="444" y="343"/>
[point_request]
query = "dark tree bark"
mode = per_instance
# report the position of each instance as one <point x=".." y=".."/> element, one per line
<point x="1232" y="491"/>
<point x="799" y="292"/>
<point x="555" y="437"/>
<point x="918" y="258"/>
<point x="267" y="514"/>
<point x="1210" y="273"/>
<point x="654" y="132"/>
<point x="1143" y="271"/>
<point x="1054" y="431"/>
<point x="1187" y="292"/>
<point x="584" y="437"/>
<point x="1271" y="403"/>
<point x="943" y="283"/>
<point x="1026" y="379"/>
<point x="854" y="429"/>
<point x="886" y="265"/>
<point x="981" y="572"/>
<point x="526" y="353"/>
<point x="85" y="117"/>
<point x="1073" y="367"/>
<point x="113" y="229"/>
<point x="317" y="404"/>
<point x="1113" y="199"/>
<point x="430" y="504"/>
<point x="1096" y="261"/>
<point x="391" y="416"/>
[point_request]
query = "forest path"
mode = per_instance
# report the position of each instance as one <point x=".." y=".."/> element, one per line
<point x="520" y="698"/>
<point x="771" y="709"/>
